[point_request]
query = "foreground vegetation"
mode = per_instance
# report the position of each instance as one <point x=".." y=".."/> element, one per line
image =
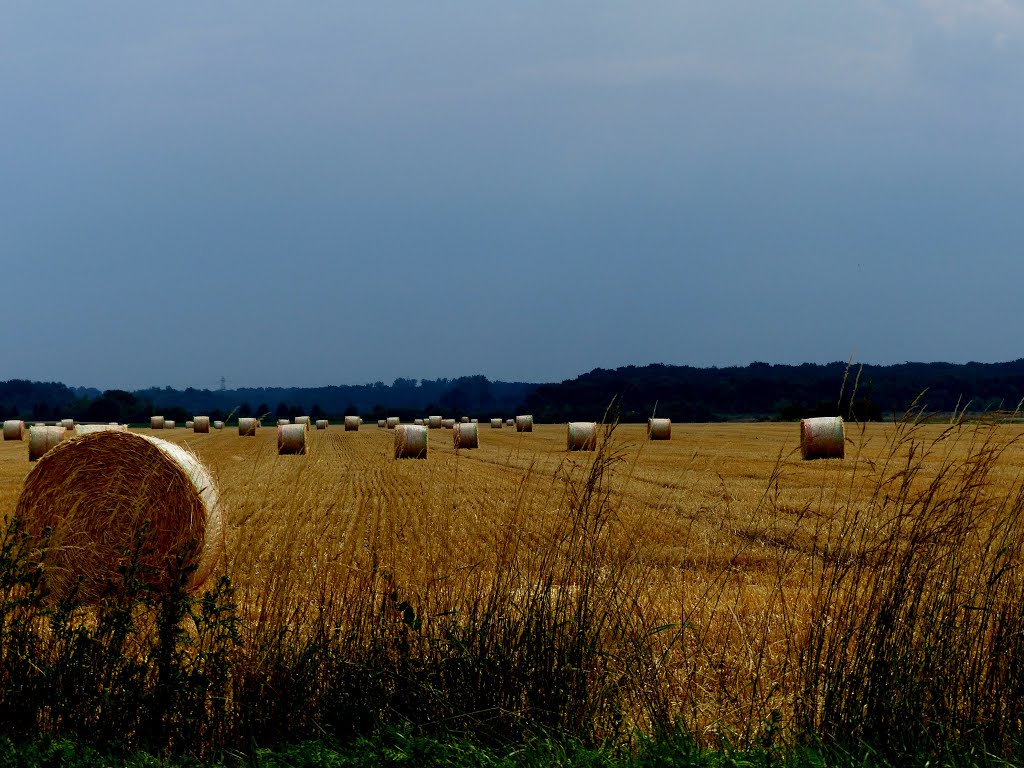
<point x="882" y="616"/>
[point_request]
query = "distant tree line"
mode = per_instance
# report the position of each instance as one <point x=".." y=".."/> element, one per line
<point x="682" y="393"/>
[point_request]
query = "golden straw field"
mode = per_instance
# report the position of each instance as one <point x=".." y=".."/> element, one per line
<point x="721" y="531"/>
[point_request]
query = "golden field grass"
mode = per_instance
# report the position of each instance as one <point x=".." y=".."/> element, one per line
<point x="715" y="542"/>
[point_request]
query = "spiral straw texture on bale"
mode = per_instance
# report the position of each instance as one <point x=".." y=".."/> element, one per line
<point x="659" y="429"/>
<point x="14" y="429"/>
<point x="410" y="442"/>
<point x="156" y="422"/>
<point x="107" y="493"/>
<point x="434" y="422"/>
<point x="88" y="429"/>
<point x="291" y="439"/>
<point x="524" y="423"/>
<point x="41" y="439"/>
<point x="247" y="426"/>
<point x="581" y="435"/>
<point x="822" y="438"/>
<point x="321" y="423"/>
<point x="393" y="421"/>
<point x="201" y="425"/>
<point x="495" y="423"/>
<point x="466" y="436"/>
<point x="351" y="423"/>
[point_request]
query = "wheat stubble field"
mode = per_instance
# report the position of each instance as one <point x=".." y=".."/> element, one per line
<point x="719" y="573"/>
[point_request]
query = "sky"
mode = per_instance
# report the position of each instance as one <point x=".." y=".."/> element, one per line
<point x="315" y="193"/>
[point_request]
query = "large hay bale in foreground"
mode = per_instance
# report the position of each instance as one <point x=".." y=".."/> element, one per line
<point x="14" y="429"/>
<point x="291" y="439"/>
<point x="352" y="423"/>
<point x="201" y="425"/>
<point x="156" y="422"/>
<point x="106" y="493"/>
<point x="410" y="442"/>
<point x="822" y="438"/>
<point x="466" y="436"/>
<point x="41" y="439"/>
<point x="659" y="429"/>
<point x="581" y="435"/>
<point x="524" y="423"/>
<point x="89" y="429"/>
<point x="247" y="426"/>
<point x="434" y="422"/>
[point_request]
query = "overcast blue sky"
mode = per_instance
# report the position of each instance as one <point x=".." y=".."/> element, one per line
<point x="315" y="193"/>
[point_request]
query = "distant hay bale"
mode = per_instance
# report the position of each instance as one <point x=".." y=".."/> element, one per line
<point x="156" y="422"/>
<point x="352" y="423"/>
<point x="321" y="423"/>
<point x="303" y="420"/>
<point x="67" y="423"/>
<point x="417" y="422"/>
<point x="510" y="422"/>
<point x="291" y="439"/>
<point x="434" y="422"/>
<point x="282" y="422"/>
<point x="14" y="429"/>
<point x="524" y="423"/>
<point x="822" y="438"/>
<point x="382" y="423"/>
<point x="410" y="441"/>
<point x="464" y="420"/>
<point x="247" y="426"/>
<point x="201" y="425"/>
<point x="659" y="429"/>
<point x="218" y="425"/>
<point x="448" y="423"/>
<point x="581" y="436"/>
<point x="41" y="439"/>
<point x="106" y="493"/>
<point x="496" y="423"/>
<point x="466" y="436"/>
<point x="393" y="421"/>
<point x="170" y="424"/>
<point x="89" y="429"/>
<point x="189" y="424"/>
<point x="474" y="421"/>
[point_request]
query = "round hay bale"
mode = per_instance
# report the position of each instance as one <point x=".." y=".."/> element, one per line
<point x="88" y="429"/>
<point x="659" y="429"/>
<point x="474" y="421"/>
<point x="581" y="435"/>
<point x="466" y="436"/>
<point x="42" y="439"/>
<point x="464" y="420"/>
<point x="105" y="493"/>
<point x="218" y="424"/>
<point x="524" y="423"/>
<point x="303" y="420"/>
<point x="448" y="423"/>
<point x="201" y="425"/>
<point x="382" y="423"/>
<point x="417" y="422"/>
<point x="510" y="422"/>
<point x="170" y="424"/>
<point x="434" y="422"/>
<point x="291" y="439"/>
<point x="156" y="422"/>
<point x="282" y="422"/>
<point x="67" y="423"/>
<point x="822" y="438"/>
<point x="321" y="423"/>
<point x="352" y="423"/>
<point x="14" y="429"/>
<point x="393" y="421"/>
<point x="247" y="426"/>
<point x="360" y="420"/>
<point x="410" y="441"/>
<point x="189" y="424"/>
<point x="495" y="423"/>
